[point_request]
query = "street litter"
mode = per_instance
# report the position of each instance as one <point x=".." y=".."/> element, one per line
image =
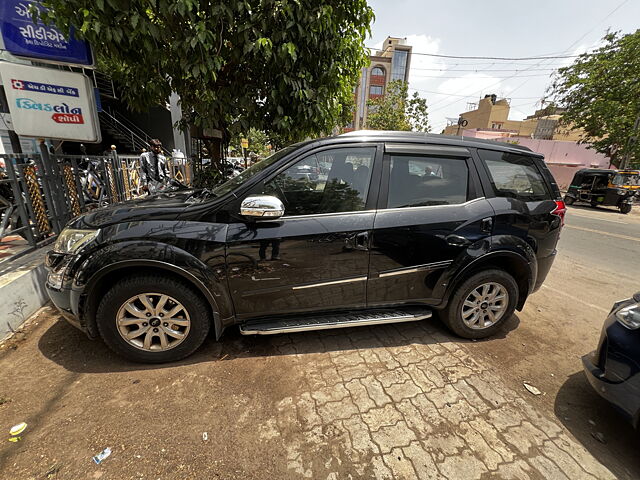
<point x="15" y="432"/>
<point x="205" y="436"/>
<point x="598" y="436"/>
<point x="532" y="389"/>
<point x="592" y="423"/>
<point x="18" y="429"/>
<point x="102" y="455"/>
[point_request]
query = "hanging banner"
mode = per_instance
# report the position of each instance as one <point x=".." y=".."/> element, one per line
<point x="50" y="103"/>
<point x="24" y="38"/>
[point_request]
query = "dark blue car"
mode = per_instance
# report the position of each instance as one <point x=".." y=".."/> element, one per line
<point x="613" y="369"/>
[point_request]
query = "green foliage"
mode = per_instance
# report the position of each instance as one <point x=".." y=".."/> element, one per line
<point x="397" y="111"/>
<point x="259" y="143"/>
<point x="207" y="177"/>
<point x="278" y="66"/>
<point x="601" y="93"/>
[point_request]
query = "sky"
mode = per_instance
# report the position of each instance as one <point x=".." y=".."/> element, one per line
<point x="494" y="29"/>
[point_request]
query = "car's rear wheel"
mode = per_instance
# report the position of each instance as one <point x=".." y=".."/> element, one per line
<point x="569" y="200"/>
<point x="481" y="304"/>
<point x="153" y="319"/>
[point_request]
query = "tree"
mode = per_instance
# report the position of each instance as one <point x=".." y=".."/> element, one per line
<point x="275" y="65"/>
<point x="397" y="111"/>
<point x="259" y="142"/>
<point x="601" y="94"/>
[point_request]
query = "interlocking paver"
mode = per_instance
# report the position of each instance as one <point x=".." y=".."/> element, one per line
<point x="379" y="417"/>
<point x="422" y="462"/>
<point x="389" y="436"/>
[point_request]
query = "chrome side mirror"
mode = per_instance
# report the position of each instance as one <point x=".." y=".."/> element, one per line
<point x="262" y="206"/>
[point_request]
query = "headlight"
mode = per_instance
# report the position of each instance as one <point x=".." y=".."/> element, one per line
<point x="629" y="316"/>
<point x="71" y="240"/>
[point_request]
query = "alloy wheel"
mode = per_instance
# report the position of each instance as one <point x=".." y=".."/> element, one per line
<point x="485" y="305"/>
<point x="153" y="322"/>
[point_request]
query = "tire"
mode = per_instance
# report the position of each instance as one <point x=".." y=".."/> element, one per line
<point x="193" y="320"/>
<point x="452" y="315"/>
<point x="569" y="200"/>
<point x="625" y="208"/>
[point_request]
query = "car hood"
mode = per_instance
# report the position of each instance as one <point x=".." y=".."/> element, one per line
<point x="162" y="206"/>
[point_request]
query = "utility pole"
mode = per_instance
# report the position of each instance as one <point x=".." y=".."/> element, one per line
<point x="630" y="142"/>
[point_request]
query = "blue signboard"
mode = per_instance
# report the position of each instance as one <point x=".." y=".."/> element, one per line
<point x="24" y="38"/>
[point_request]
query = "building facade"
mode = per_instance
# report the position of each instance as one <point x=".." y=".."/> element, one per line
<point x="390" y="63"/>
<point x="492" y="114"/>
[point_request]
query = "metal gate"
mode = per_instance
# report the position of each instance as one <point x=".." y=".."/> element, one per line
<point x="40" y="193"/>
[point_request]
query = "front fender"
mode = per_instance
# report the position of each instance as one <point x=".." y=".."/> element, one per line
<point x="206" y="272"/>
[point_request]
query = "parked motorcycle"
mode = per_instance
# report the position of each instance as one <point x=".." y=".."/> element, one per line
<point x="93" y="187"/>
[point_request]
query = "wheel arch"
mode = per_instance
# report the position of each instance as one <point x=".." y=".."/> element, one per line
<point x="513" y="263"/>
<point x="100" y="282"/>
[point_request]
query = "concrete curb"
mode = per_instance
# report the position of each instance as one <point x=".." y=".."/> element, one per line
<point x="22" y="291"/>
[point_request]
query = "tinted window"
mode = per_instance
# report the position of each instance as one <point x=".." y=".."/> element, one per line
<point x="416" y="181"/>
<point x="514" y="175"/>
<point x="253" y="170"/>
<point x="327" y="182"/>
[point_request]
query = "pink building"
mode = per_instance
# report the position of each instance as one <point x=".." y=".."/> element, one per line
<point x="563" y="158"/>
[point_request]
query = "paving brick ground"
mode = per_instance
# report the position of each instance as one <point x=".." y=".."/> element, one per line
<point x="394" y="402"/>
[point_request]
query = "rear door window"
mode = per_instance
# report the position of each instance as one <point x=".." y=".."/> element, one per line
<point x="515" y="176"/>
<point x="421" y="180"/>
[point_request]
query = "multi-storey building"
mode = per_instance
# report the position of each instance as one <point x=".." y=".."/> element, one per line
<point x="492" y="114"/>
<point x="387" y="64"/>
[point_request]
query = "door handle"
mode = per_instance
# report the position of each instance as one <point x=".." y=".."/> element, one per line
<point x="486" y="225"/>
<point x="457" y="241"/>
<point x="362" y="241"/>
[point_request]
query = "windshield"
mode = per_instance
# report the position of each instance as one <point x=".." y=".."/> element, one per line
<point x="631" y="179"/>
<point x="254" y="169"/>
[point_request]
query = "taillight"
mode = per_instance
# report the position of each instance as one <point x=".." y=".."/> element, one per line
<point x="560" y="211"/>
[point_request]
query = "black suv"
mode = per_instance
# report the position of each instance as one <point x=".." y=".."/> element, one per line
<point x="360" y="229"/>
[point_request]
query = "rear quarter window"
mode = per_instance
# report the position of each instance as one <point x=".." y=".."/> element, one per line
<point x="514" y="175"/>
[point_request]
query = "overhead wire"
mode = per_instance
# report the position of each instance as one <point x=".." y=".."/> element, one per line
<point x="542" y="60"/>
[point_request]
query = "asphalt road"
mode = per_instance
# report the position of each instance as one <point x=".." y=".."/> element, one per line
<point x="605" y="239"/>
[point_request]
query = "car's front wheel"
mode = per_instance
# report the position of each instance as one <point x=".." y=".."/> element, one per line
<point x="480" y="306"/>
<point x="153" y="319"/>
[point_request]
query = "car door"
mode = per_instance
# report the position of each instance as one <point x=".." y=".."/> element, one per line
<point x="430" y="210"/>
<point x="316" y="256"/>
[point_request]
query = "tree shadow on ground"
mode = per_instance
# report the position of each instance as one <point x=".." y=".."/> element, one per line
<point x="578" y="407"/>
<point x="71" y="349"/>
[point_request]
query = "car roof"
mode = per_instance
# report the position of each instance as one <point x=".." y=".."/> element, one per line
<point x="430" y="138"/>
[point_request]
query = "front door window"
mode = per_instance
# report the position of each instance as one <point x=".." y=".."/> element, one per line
<point x="329" y="181"/>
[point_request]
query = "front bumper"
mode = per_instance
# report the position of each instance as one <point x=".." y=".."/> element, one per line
<point x="60" y="290"/>
<point x="613" y="368"/>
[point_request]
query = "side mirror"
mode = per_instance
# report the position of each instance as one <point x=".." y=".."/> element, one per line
<point x="262" y="206"/>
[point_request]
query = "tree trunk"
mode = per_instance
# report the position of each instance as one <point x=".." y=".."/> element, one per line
<point x="214" y="145"/>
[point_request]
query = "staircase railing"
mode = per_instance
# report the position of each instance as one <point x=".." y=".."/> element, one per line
<point x="138" y="137"/>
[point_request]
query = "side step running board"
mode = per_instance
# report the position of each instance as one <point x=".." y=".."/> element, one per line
<point x="325" y="322"/>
